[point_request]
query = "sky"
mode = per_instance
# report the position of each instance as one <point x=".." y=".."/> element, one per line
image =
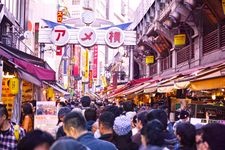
<point x="134" y="4"/>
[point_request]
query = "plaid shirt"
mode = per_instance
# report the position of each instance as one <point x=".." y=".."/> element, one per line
<point x="8" y="140"/>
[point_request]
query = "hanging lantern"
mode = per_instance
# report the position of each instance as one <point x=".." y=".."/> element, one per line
<point x="14" y="85"/>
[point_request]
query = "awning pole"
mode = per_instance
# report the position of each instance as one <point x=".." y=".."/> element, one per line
<point x="131" y="63"/>
<point x="1" y="77"/>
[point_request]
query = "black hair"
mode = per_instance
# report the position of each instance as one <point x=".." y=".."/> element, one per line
<point x="76" y="120"/>
<point x="107" y="119"/>
<point x="34" y="139"/>
<point x="128" y="106"/>
<point x="153" y="133"/>
<point x="187" y="133"/>
<point x="90" y="114"/>
<point x="158" y="114"/>
<point x="214" y="135"/>
<point x="3" y="111"/>
<point x="113" y="109"/>
<point x="85" y="101"/>
<point x="142" y="116"/>
<point x="27" y="108"/>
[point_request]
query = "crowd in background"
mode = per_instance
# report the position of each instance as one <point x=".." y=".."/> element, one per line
<point x="87" y="124"/>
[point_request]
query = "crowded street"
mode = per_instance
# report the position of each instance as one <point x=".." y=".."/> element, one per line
<point x="112" y="75"/>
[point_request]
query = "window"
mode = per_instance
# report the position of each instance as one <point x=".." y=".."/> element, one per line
<point x="75" y="2"/>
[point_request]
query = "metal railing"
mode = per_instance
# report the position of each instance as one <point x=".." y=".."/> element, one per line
<point x="166" y="63"/>
<point x="185" y="54"/>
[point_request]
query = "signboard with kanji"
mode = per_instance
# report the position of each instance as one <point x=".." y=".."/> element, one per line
<point x="87" y="37"/>
<point x="59" y="16"/>
<point x="95" y="62"/>
<point x="114" y="37"/>
<point x="149" y="59"/>
<point x="179" y="39"/>
<point x="60" y="35"/>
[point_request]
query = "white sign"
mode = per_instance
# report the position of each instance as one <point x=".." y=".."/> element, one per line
<point x="60" y="35"/>
<point x="129" y="37"/>
<point x="87" y="37"/>
<point x="114" y="37"/>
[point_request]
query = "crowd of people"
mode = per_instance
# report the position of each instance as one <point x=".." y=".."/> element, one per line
<point x="102" y="125"/>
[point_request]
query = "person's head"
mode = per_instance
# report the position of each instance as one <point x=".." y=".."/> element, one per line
<point x="3" y="114"/>
<point x="85" y="101"/>
<point x="158" y="114"/>
<point x="122" y="125"/>
<point x="184" y="115"/>
<point x="90" y="114"/>
<point x="152" y="133"/>
<point x="74" y="124"/>
<point x="128" y="106"/>
<point x="67" y="143"/>
<point x="186" y="134"/>
<point x="114" y="109"/>
<point x="63" y="111"/>
<point x="27" y="108"/>
<point x="36" y="140"/>
<point x="106" y="121"/>
<point x="211" y="137"/>
<point x="141" y="119"/>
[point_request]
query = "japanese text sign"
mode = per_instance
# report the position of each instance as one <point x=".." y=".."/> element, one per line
<point x="87" y="37"/>
<point x="95" y="62"/>
<point x="59" y="16"/>
<point x="114" y="37"/>
<point x="60" y="35"/>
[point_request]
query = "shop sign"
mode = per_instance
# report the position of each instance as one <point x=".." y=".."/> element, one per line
<point x="85" y="65"/>
<point x="59" y="16"/>
<point x="114" y="37"/>
<point x="104" y="81"/>
<point x="223" y="5"/>
<point x="50" y="93"/>
<point x="14" y="85"/>
<point x="76" y="67"/>
<point x="87" y="36"/>
<point x="90" y="79"/>
<point x="60" y="35"/>
<point x="59" y="50"/>
<point x="149" y="59"/>
<point x="95" y="62"/>
<point x="179" y="39"/>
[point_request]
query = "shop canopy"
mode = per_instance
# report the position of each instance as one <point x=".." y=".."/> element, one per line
<point x="28" y="65"/>
<point x="57" y="88"/>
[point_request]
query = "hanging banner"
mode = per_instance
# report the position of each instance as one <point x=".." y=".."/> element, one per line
<point x="104" y="81"/>
<point x="223" y="5"/>
<point x="50" y="93"/>
<point x="90" y="79"/>
<point x="95" y="62"/>
<point x="76" y="67"/>
<point x="149" y="59"/>
<point x="179" y="39"/>
<point x="85" y="65"/>
<point x="59" y="50"/>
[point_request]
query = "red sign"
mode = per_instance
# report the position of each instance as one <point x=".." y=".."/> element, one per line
<point x="90" y="79"/>
<point x="60" y="35"/>
<point x="59" y="16"/>
<point x="95" y="62"/>
<point x="114" y="37"/>
<point x="87" y="36"/>
<point x="58" y="50"/>
<point x="76" y="68"/>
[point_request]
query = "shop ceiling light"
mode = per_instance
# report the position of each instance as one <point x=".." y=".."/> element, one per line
<point x="190" y="4"/>
<point x="168" y="24"/>
<point x="175" y="16"/>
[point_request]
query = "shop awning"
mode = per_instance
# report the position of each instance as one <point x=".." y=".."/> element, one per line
<point x="28" y="77"/>
<point x="135" y="89"/>
<point x="30" y="64"/>
<point x="207" y="84"/>
<point x="57" y="88"/>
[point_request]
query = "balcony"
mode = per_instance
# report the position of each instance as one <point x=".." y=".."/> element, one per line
<point x="166" y="63"/>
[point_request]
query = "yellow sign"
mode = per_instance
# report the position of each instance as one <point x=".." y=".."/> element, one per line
<point x="149" y="59"/>
<point x="50" y="93"/>
<point x="179" y="39"/>
<point x="85" y="65"/>
<point x="14" y="85"/>
<point x="104" y="82"/>
<point x="223" y="5"/>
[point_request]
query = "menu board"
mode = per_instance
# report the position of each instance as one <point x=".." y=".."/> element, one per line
<point x="27" y="91"/>
<point x="46" y="116"/>
<point x="7" y="97"/>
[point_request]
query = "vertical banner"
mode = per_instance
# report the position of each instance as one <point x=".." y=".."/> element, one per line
<point x="85" y="65"/>
<point x="59" y="50"/>
<point x="76" y="67"/>
<point x="95" y="62"/>
<point x="36" y="44"/>
<point x="59" y="16"/>
<point x="223" y="5"/>
<point x="104" y="81"/>
<point x="90" y="79"/>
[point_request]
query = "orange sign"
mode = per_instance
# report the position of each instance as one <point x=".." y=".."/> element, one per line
<point x="59" y="16"/>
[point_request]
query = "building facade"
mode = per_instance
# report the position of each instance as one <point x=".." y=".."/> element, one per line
<point x="159" y="22"/>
